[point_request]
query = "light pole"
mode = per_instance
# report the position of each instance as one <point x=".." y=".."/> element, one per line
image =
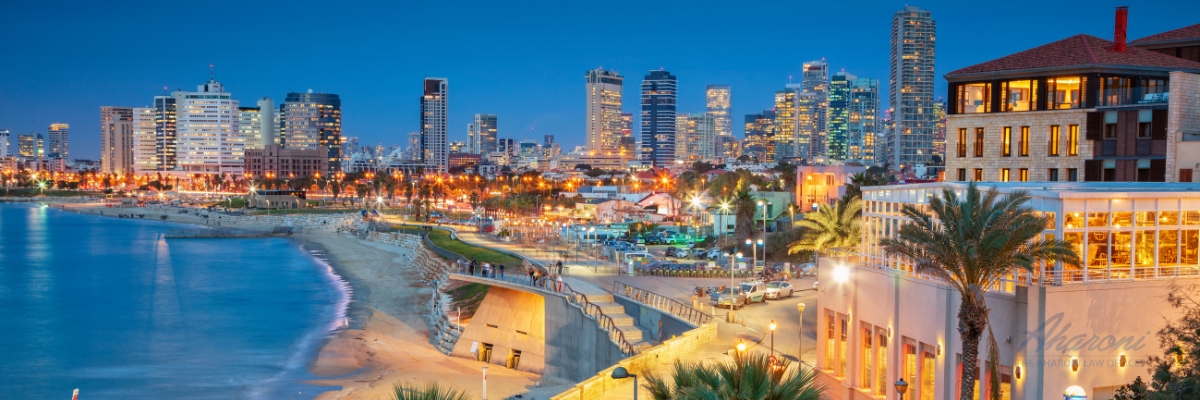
<point x="485" y="383"/>
<point x="741" y="348"/>
<point x="753" y="253"/>
<point x="622" y="373"/>
<point x="800" y="353"/>
<point x="772" y="326"/>
<point x="901" y="387"/>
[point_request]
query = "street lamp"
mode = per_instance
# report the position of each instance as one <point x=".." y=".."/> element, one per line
<point x="622" y="373"/>
<point x="772" y="327"/>
<point x="800" y="354"/>
<point x="901" y="387"/>
<point x="741" y="347"/>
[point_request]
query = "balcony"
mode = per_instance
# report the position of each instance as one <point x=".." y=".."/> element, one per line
<point x="1133" y="96"/>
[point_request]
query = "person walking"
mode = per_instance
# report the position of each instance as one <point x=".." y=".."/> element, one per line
<point x="560" y="268"/>
<point x="471" y="268"/>
<point x="501" y="271"/>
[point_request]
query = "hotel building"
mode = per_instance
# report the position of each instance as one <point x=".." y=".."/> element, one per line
<point x="206" y="131"/>
<point x="259" y="126"/>
<point x="816" y="81"/>
<point x="435" y="146"/>
<point x="861" y="128"/>
<point x="481" y="134"/>
<point x="603" y="111"/>
<point x="786" y="130"/>
<point x="911" y="91"/>
<point x="116" y="140"/>
<point x="285" y="162"/>
<point x="164" y="133"/>
<point x="58" y="135"/>
<point x="657" y="147"/>
<point x="310" y="120"/>
<point x="1078" y="109"/>
<point x="718" y="102"/>
<point x="145" y="141"/>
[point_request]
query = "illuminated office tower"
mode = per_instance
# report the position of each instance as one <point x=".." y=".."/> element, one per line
<point x="627" y="149"/>
<point x="939" y="130"/>
<point x="435" y="150"/>
<point x="604" y="111"/>
<point x="719" y="102"/>
<point x="413" y="150"/>
<point x="786" y="134"/>
<point x="116" y="140"/>
<point x="816" y="81"/>
<point x="760" y="136"/>
<point x="206" y="131"/>
<point x="911" y="87"/>
<point x="695" y="137"/>
<point x="862" y="130"/>
<point x="58" y="135"/>
<point x="144" y="140"/>
<point x="164" y="133"/>
<point x="481" y="134"/>
<point x="26" y="146"/>
<point x="312" y="120"/>
<point x="657" y="147"/>
<point x="839" y="116"/>
<point x="805" y="125"/>
<point x="259" y="126"/>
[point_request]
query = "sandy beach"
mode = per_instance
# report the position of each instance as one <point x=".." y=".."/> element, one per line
<point x="386" y="341"/>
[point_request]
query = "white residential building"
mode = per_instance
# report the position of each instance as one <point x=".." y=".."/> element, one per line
<point x="259" y="126"/>
<point x="435" y="148"/>
<point x="206" y="132"/>
<point x="116" y="140"/>
<point x="604" y="112"/>
<point x="144" y="140"/>
<point x="5" y="139"/>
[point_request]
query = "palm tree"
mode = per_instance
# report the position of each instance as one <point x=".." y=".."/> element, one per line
<point x="431" y="391"/>
<point x="743" y="211"/>
<point x="831" y="227"/>
<point x="750" y="377"/>
<point x="971" y="243"/>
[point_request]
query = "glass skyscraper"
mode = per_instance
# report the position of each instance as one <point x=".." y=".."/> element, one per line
<point x="911" y="89"/>
<point x="861" y="127"/>
<point x="657" y="147"/>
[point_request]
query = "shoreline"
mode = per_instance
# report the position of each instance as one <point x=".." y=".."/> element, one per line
<point x="383" y="339"/>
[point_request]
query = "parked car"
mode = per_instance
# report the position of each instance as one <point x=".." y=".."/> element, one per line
<point x="676" y="238"/>
<point x="755" y="291"/>
<point x="653" y="239"/>
<point x="778" y="289"/>
<point x="674" y="252"/>
<point x="713" y="254"/>
<point x="806" y="269"/>
<point x="732" y="297"/>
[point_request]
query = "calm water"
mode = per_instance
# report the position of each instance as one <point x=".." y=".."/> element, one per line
<point x="107" y="306"/>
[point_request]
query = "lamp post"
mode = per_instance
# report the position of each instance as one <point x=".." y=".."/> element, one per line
<point x="753" y="253"/>
<point x="772" y="326"/>
<point x="622" y="373"/>
<point x="741" y="348"/>
<point x="901" y="387"/>
<point x="800" y="353"/>
<point x="485" y="383"/>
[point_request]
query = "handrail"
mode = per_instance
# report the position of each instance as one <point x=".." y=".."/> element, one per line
<point x="664" y="303"/>
<point x="542" y="283"/>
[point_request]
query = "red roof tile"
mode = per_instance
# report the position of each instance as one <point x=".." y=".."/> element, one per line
<point x="1076" y="52"/>
<point x="1187" y="32"/>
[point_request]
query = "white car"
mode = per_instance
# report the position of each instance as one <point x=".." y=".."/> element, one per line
<point x="779" y="289"/>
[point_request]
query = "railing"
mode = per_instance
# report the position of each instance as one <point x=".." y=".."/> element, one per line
<point x="664" y="303"/>
<point x="213" y="233"/>
<point x="549" y="285"/>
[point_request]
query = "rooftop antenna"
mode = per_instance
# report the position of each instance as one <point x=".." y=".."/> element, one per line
<point x="211" y="74"/>
<point x="789" y="79"/>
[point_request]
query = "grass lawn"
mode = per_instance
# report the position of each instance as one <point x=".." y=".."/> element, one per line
<point x="303" y="211"/>
<point x="468" y="297"/>
<point x="441" y="238"/>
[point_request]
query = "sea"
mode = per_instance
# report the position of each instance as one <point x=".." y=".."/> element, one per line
<point x="112" y="308"/>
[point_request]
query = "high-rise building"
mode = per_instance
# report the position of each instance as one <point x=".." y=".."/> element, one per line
<point x="603" y="111"/>
<point x="695" y="137"/>
<point x="309" y="120"/>
<point x="165" y="133"/>
<point x="508" y="146"/>
<point x="145" y="155"/>
<point x="816" y="81"/>
<point x="939" y="130"/>
<point x="547" y="140"/>
<point x="911" y="87"/>
<point x="455" y="147"/>
<point x="259" y="126"/>
<point x="435" y="148"/>
<point x="58" y="137"/>
<point x="657" y="147"/>
<point x="206" y="131"/>
<point x="719" y="101"/>
<point x="26" y="145"/>
<point x="760" y="136"/>
<point x="839" y="116"/>
<point x="413" y="151"/>
<point x="627" y="149"/>
<point x="481" y="134"/>
<point x="5" y="143"/>
<point x="116" y="140"/>
<point x="861" y="126"/>
<point x="806" y="126"/>
<point x="786" y="134"/>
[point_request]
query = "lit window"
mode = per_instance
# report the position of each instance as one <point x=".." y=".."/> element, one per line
<point x="974" y="98"/>
<point x="1018" y="95"/>
<point x="1065" y="92"/>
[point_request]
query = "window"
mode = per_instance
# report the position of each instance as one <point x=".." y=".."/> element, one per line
<point x="978" y="142"/>
<point x="1185" y="175"/>
<point x="867" y="366"/>
<point x="1072" y="175"/>
<point x="1110" y="170"/>
<point x="1003" y="174"/>
<point x="1072" y="140"/>
<point x="842" y="344"/>
<point x="1065" y="92"/>
<point x="1145" y="117"/>
<point x="978" y="175"/>
<point x="974" y="98"/>
<point x="962" y="142"/>
<point x="830" y="352"/>
<point x="1115" y="90"/>
<point x="1143" y="171"/>
<point x="928" y="371"/>
<point x="1052" y="174"/>
<point x="1024" y="142"/>
<point x="962" y="174"/>
<point x="1018" y="96"/>
<point x="1006" y="141"/>
<point x="910" y="361"/>
<point x="1052" y="147"/>
<point x="1023" y="174"/>
<point x="881" y="381"/>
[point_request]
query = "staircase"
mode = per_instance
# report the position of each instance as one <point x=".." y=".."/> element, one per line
<point x="604" y="300"/>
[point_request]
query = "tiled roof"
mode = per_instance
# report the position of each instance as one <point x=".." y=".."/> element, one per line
<point x="1187" y="32"/>
<point x="1076" y="52"/>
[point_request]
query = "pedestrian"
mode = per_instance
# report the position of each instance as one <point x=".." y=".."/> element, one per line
<point x="531" y="275"/>
<point x="471" y="268"/>
<point x="559" y="283"/>
<point x="560" y="268"/>
<point x="501" y="271"/>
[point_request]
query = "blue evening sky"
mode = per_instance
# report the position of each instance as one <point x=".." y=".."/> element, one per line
<point x="523" y="60"/>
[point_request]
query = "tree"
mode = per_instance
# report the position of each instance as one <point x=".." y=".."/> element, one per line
<point x="831" y="227"/>
<point x="861" y="179"/>
<point x="743" y="210"/>
<point x="1133" y="391"/>
<point x="431" y="391"/>
<point x="748" y="377"/>
<point x="971" y="243"/>
<point x="1176" y="374"/>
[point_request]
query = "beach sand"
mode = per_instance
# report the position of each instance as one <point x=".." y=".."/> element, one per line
<point x="386" y="342"/>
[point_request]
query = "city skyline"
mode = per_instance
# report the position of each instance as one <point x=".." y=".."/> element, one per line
<point x="42" y="90"/>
